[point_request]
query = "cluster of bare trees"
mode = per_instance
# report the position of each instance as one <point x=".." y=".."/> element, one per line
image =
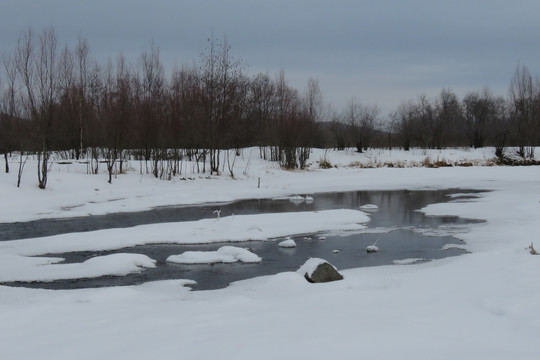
<point x="479" y="119"/>
<point x="56" y="98"/>
<point x="356" y="126"/>
<point x="60" y="99"/>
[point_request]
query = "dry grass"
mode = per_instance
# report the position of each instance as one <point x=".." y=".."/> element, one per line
<point x="325" y="164"/>
<point x="426" y="162"/>
<point x="532" y="250"/>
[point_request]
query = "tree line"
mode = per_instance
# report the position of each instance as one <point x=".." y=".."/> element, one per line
<point x="59" y="99"/>
<point x="479" y="119"/>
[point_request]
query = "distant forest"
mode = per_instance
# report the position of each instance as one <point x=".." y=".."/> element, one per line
<point x="60" y="99"/>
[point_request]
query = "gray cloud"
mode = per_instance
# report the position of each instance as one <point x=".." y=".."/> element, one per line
<point x="378" y="51"/>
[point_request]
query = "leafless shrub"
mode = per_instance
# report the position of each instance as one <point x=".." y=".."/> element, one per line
<point x="532" y="250"/>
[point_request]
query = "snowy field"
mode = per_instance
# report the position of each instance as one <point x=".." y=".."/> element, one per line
<point x="483" y="305"/>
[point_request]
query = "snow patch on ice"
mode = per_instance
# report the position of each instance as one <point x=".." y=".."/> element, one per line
<point x="296" y="199"/>
<point x="289" y="243"/>
<point x="300" y="199"/>
<point x="372" y="249"/>
<point x="460" y="195"/>
<point x="375" y="230"/>
<point x="409" y="261"/>
<point x="369" y="207"/>
<point x="454" y="246"/>
<point x="26" y="269"/>
<point x="225" y="254"/>
<point x="444" y="230"/>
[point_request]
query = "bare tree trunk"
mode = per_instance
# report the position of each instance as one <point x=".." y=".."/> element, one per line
<point x="230" y="163"/>
<point x="214" y="161"/>
<point x="7" y="163"/>
<point x="110" y="167"/>
<point x="21" y="167"/>
<point x="94" y="161"/>
<point x="43" y="167"/>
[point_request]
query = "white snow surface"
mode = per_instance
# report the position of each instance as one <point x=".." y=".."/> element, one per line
<point x="482" y="305"/>
<point x="369" y="207"/>
<point x="289" y="243"/>
<point x="16" y="268"/>
<point x="225" y="254"/>
<point x="408" y="261"/>
<point x="372" y="248"/>
<point x="227" y="229"/>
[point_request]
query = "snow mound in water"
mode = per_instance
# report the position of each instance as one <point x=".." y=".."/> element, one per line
<point x="369" y="207"/>
<point x="289" y="243"/>
<point x="225" y="254"/>
<point x="114" y="264"/>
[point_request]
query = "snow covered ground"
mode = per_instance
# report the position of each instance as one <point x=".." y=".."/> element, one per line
<point x="483" y="305"/>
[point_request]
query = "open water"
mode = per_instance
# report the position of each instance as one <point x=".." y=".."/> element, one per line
<point x="400" y="230"/>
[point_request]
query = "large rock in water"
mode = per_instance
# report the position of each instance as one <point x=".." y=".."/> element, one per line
<point x="319" y="271"/>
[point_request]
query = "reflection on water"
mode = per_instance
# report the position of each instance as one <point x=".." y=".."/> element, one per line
<point x="396" y="210"/>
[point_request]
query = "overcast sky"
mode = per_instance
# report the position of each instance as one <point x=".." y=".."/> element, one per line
<point x="380" y="52"/>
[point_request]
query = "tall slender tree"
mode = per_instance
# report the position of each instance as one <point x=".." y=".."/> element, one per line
<point x="525" y="102"/>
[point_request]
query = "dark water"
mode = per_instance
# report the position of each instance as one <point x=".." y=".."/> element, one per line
<point x="397" y="209"/>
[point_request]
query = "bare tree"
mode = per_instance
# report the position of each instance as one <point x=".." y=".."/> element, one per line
<point x="186" y="112"/>
<point x="64" y="137"/>
<point x="339" y="130"/>
<point x="221" y="76"/>
<point x="48" y="90"/>
<point x="389" y="127"/>
<point x="403" y="118"/>
<point x="152" y="87"/>
<point x="424" y="122"/>
<point x="83" y="72"/>
<point x="501" y="128"/>
<point x="285" y="127"/>
<point x="525" y="98"/>
<point x="40" y="78"/>
<point x="6" y="125"/>
<point x="92" y="115"/>
<point x="480" y="114"/>
<point x="361" y="120"/>
<point x="262" y="108"/>
<point x="448" y="118"/>
<point x="11" y="111"/>
<point x="313" y="100"/>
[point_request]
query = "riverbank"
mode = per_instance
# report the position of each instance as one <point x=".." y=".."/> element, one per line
<point x="71" y="191"/>
<point x="483" y="305"/>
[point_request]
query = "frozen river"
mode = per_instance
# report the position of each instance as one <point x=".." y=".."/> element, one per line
<point x="400" y="230"/>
